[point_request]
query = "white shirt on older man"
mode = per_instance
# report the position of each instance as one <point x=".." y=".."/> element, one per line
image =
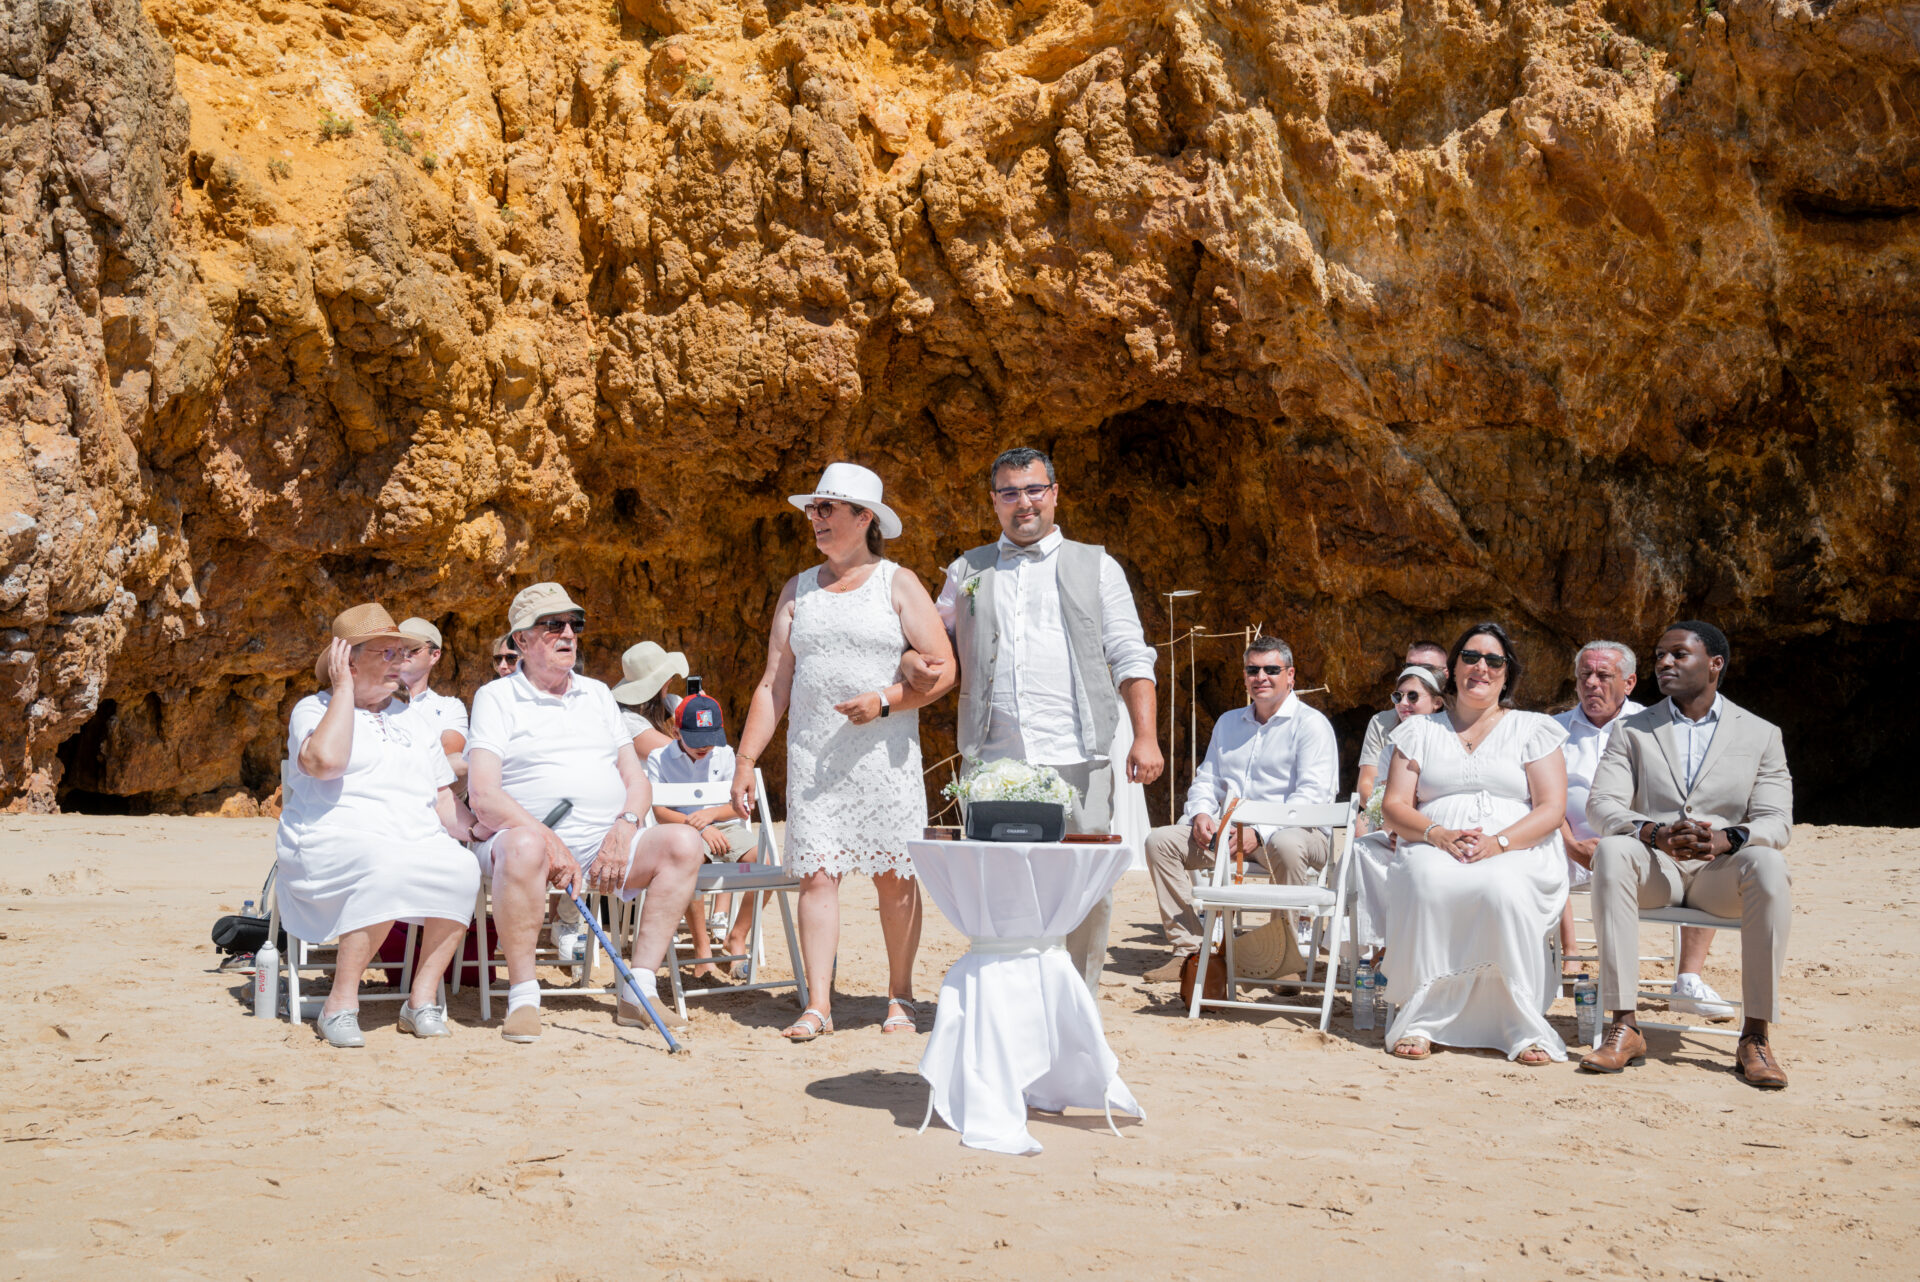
<point x="1586" y="744"/>
<point x="555" y="747"/>
<point x="1033" y="711"/>
<point x="1292" y="756"/>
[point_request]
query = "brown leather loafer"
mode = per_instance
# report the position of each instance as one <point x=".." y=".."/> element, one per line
<point x="1756" y="1065"/>
<point x="1168" y="973"/>
<point x="1622" y="1046"/>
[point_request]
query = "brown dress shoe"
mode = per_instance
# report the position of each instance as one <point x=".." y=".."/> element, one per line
<point x="1756" y="1065"/>
<point x="1622" y="1046"/>
<point x="1169" y="973"/>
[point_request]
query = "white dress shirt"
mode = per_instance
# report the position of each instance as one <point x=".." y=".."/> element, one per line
<point x="1696" y="737"/>
<point x="1033" y="713"/>
<point x="1585" y="744"/>
<point x="1291" y="756"/>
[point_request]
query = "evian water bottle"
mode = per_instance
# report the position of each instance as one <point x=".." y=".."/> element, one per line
<point x="266" y="981"/>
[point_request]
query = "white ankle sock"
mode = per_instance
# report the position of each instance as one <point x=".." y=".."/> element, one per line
<point x="527" y="994"/>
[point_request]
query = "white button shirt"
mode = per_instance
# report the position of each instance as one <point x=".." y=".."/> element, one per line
<point x="1291" y="756"/>
<point x="1585" y="745"/>
<point x="553" y="747"/>
<point x="1033" y="715"/>
<point x="1696" y="737"/>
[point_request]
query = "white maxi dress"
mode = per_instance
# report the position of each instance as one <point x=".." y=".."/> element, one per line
<point x="368" y="847"/>
<point x="1467" y="943"/>
<point x="854" y="793"/>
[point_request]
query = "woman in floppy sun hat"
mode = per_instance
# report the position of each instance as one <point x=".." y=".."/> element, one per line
<point x="645" y="670"/>
<point x="369" y="830"/>
<point x="854" y="793"/>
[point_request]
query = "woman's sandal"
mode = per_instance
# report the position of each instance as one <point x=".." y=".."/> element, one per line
<point x="1412" y="1048"/>
<point x="1534" y="1056"/>
<point x="907" y="1023"/>
<point x="810" y="1025"/>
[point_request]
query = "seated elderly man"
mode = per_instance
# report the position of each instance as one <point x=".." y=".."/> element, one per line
<point x="369" y="830"/>
<point x="1279" y="750"/>
<point x="548" y="734"/>
<point x="443" y="715"/>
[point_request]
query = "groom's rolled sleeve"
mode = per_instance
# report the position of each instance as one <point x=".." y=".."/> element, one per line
<point x="1122" y="639"/>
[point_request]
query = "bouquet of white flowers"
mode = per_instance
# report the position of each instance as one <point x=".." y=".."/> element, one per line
<point x="1375" y="820"/>
<point x="1011" y="781"/>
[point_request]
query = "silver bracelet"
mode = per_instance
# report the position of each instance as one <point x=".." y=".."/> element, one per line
<point x="1429" y="828"/>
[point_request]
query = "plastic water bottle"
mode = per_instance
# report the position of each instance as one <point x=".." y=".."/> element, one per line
<point x="1382" y="1009"/>
<point x="266" y="981"/>
<point x="246" y="909"/>
<point x="1586" y="1009"/>
<point x="1363" y="1013"/>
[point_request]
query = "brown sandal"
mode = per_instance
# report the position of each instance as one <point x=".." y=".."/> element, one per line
<point x="1545" y="1057"/>
<point x="1415" y="1047"/>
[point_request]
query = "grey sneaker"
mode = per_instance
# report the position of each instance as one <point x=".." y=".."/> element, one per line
<point x="428" y="1021"/>
<point x="341" y="1028"/>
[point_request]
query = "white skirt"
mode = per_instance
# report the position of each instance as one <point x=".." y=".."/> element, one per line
<point x="1467" y="959"/>
<point x="335" y="880"/>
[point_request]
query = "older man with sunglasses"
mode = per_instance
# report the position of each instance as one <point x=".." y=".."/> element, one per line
<point x="1276" y="749"/>
<point x="548" y="734"/>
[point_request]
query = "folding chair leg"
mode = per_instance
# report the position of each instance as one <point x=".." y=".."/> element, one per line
<point x="1206" y="955"/>
<point x="793" y="949"/>
<point x="406" y="961"/>
<point x="291" y="959"/>
<point x="483" y="968"/>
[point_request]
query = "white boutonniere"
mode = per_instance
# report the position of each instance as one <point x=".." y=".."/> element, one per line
<point x="971" y="589"/>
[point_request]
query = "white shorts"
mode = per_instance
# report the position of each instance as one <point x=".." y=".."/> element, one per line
<point x="486" y="853"/>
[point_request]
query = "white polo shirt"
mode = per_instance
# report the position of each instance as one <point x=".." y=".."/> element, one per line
<point x="553" y="747"/>
<point x="439" y="713"/>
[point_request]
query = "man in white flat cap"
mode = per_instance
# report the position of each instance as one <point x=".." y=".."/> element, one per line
<point x="1050" y="651"/>
<point x="443" y="714"/>
<point x="548" y="734"/>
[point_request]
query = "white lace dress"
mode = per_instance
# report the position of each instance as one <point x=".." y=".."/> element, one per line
<point x="1467" y="955"/>
<point x="854" y="793"/>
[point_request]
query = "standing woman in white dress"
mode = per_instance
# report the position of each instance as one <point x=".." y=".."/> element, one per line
<point x="368" y="827"/>
<point x="1476" y="794"/>
<point x="855" y="796"/>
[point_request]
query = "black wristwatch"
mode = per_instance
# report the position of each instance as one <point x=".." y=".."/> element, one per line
<point x="1736" y="838"/>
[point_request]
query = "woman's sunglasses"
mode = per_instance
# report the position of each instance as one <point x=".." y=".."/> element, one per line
<point x="823" y="509"/>
<point x="1494" y="662"/>
<point x="507" y="660"/>
<point x="1406" y="696"/>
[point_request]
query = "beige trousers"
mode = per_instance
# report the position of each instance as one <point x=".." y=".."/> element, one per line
<point x="1291" y="856"/>
<point x="1751" y="884"/>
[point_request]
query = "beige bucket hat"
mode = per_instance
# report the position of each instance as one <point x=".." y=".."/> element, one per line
<point x="362" y="623"/>
<point x="536" y="602"/>
<point x="646" y="668"/>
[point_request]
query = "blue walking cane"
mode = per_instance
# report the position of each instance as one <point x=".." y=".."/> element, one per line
<point x="554" y="816"/>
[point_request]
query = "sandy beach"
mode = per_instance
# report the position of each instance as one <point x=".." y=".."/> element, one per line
<point x="153" y="1129"/>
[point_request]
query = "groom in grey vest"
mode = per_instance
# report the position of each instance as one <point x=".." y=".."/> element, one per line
<point x="1050" y="648"/>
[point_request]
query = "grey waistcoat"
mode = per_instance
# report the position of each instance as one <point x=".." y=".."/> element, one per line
<point x="976" y="643"/>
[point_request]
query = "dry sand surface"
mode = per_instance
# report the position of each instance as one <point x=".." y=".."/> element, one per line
<point x="152" y="1129"/>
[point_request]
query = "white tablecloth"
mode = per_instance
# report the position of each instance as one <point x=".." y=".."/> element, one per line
<point x="1016" y="1025"/>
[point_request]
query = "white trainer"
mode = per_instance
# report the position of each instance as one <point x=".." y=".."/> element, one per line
<point x="1690" y="992"/>
<point x="569" y="940"/>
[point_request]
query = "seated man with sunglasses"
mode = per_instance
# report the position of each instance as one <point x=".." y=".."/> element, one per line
<point x="548" y="734"/>
<point x="1280" y="750"/>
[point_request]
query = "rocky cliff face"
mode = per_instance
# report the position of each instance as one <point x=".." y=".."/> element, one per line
<point x="1367" y="319"/>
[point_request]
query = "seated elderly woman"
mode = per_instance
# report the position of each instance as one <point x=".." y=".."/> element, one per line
<point x="1416" y="693"/>
<point x="370" y="831"/>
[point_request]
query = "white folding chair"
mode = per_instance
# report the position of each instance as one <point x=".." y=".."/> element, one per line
<point x="767" y="876"/>
<point x="1678" y="917"/>
<point x="1331" y="908"/>
<point x="487" y="956"/>
<point x="304" y="955"/>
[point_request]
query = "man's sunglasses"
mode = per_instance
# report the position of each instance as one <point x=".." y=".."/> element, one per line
<point x="1494" y="662"/>
<point x="1406" y="696"/>
<point x="1271" y="669"/>
<point x="554" y="627"/>
<point x="1031" y="493"/>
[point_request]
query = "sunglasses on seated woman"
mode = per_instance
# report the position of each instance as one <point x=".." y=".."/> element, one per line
<point x="1494" y="662"/>
<point x="1406" y="696"/>
<point x="510" y="659"/>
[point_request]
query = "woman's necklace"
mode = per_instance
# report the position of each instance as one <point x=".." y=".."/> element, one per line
<point x="847" y="583"/>
<point x="1474" y="735"/>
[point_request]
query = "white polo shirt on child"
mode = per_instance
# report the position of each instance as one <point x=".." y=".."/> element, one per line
<point x="671" y="764"/>
<point x="553" y="747"/>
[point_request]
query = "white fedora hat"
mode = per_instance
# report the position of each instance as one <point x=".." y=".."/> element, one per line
<point x="851" y="483"/>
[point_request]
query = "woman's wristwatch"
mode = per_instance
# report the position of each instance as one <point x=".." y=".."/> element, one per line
<point x="885" y="707"/>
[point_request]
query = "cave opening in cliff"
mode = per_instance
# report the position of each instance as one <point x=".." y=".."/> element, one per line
<point x="83" y="762"/>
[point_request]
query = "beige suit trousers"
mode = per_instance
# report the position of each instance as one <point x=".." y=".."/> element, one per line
<point x="1291" y="856"/>
<point x="1751" y="885"/>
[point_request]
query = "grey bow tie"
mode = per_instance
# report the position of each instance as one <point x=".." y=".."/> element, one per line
<point x="1013" y="553"/>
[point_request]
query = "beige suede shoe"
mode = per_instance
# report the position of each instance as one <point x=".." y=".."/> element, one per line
<point x="523" y="1025"/>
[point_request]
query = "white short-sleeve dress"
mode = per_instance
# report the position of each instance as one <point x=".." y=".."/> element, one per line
<point x="1467" y="943"/>
<point x="368" y="847"/>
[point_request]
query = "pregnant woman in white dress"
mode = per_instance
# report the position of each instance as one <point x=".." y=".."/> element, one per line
<point x="368" y="826"/>
<point x="1476" y="795"/>
<point x="855" y="797"/>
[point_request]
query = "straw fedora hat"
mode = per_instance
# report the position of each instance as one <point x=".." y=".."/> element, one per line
<point x="851" y="483"/>
<point x="1268" y="951"/>
<point x="645" y="668"/>
<point x="362" y="623"/>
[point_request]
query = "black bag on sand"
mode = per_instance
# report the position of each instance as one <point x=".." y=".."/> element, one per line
<point x="235" y="934"/>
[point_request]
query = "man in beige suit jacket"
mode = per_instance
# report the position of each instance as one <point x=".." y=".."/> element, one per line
<point x="1694" y="805"/>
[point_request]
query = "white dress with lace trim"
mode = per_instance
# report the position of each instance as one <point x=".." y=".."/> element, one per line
<point x="854" y="793"/>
